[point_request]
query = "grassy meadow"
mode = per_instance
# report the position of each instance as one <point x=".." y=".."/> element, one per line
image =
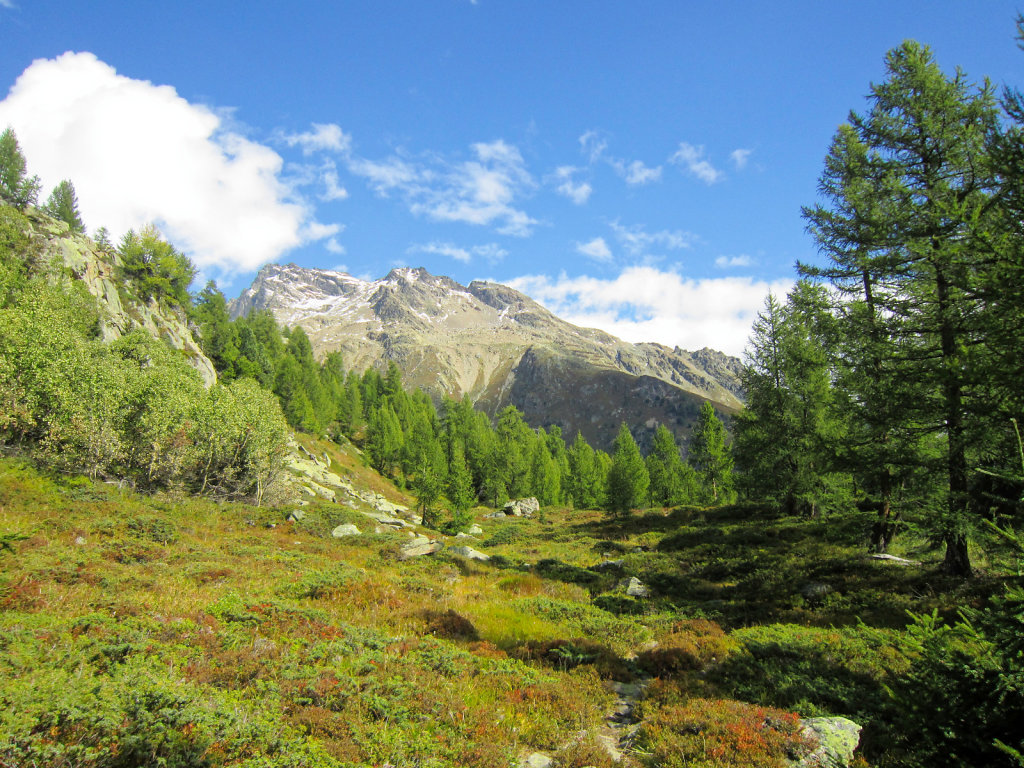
<point x="174" y="630"/>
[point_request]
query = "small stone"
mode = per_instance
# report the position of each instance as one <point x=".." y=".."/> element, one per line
<point x="837" y="739"/>
<point x="538" y="760"/>
<point x="296" y="515"/>
<point x="475" y="530"/>
<point x="347" y="529"/>
<point x="634" y="587"/>
<point x="80" y="541"/>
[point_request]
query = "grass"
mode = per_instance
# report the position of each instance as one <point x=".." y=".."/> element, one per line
<point x="154" y="629"/>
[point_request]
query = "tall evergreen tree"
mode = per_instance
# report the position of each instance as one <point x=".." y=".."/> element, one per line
<point x="16" y="186"/>
<point x="711" y="456"/>
<point x="907" y="227"/>
<point x="671" y="479"/>
<point x="627" y="478"/>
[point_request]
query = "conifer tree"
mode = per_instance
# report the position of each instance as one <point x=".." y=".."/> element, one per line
<point x="711" y="457"/>
<point x="908" y="228"/>
<point x="63" y="204"/>
<point x="16" y="187"/>
<point x="627" y="478"/>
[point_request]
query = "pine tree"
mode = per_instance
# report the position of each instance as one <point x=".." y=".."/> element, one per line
<point x="666" y="470"/>
<point x="627" y="479"/>
<point x="585" y="481"/>
<point x="63" y="204"/>
<point x="16" y="187"/>
<point x="711" y="457"/>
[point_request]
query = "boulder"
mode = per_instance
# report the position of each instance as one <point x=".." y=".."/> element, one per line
<point x="522" y="507"/>
<point x="609" y="565"/>
<point x="634" y="587"/>
<point x="347" y="529"/>
<point x="837" y="738"/>
<point x="468" y="552"/>
<point x="295" y="515"/>
<point x="475" y="530"/>
<point x="419" y="546"/>
<point x="383" y="519"/>
<point x="893" y="559"/>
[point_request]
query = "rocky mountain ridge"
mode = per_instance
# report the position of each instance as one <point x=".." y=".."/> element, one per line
<point x="497" y="346"/>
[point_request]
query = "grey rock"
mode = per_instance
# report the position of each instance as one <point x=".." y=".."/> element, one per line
<point x="634" y="587"/>
<point x="538" y="760"/>
<point x="815" y="590"/>
<point x="837" y="738"/>
<point x="295" y="516"/>
<point x="609" y="565"/>
<point x="80" y="541"/>
<point x="468" y="552"/>
<point x="522" y="507"/>
<point x="419" y="546"/>
<point x="347" y="529"/>
<point x="474" y="530"/>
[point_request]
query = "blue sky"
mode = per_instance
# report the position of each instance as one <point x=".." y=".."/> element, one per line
<point x="638" y="167"/>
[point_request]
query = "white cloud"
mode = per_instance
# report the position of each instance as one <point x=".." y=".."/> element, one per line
<point x="638" y="242"/>
<point x="140" y="153"/>
<point x="325" y="137"/>
<point x="648" y="304"/>
<point x="733" y="261"/>
<point x="333" y="246"/>
<point x="593" y="145"/>
<point x="8" y="4"/>
<point x="577" y="191"/>
<point x="740" y="157"/>
<point x="597" y="249"/>
<point x="481" y="191"/>
<point x="492" y="252"/>
<point x="693" y="160"/>
<point x="332" y="189"/>
<point x="636" y="173"/>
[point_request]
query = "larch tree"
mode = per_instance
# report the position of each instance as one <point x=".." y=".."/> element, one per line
<point x="906" y="223"/>
<point x="711" y="456"/>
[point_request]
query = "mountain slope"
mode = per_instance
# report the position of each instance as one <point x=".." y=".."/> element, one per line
<point x="497" y="346"/>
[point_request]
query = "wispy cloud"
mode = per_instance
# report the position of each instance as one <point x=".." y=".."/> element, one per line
<point x="635" y="173"/>
<point x="490" y="252"/>
<point x="155" y="157"/>
<point x="324" y="137"/>
<point x="568" y="186"/>
<point x="596" y="249"/>
<point x="592" y="145"/>
<point x="726" y="262"/>
<point x="639" y="242"/>
<point x="692" y="160"/>
<point x="332" y="188"/>
<point x="333" y="246"/>
<point x="740" y="158"/>
<point x="482" y="191"/>
<point x="648" y="304"/>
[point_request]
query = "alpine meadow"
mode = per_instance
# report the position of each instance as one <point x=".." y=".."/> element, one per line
<point x="343" y="520"/>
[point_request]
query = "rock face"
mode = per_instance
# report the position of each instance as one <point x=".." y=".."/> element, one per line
<point x="97" y="270"/>
<point x="499" y="347"/>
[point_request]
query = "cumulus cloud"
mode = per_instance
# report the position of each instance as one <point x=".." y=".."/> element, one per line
<point x="482" y="191"/>
<point x="639" y="242"/>
<point x="577" y="191"/>
<point x="740" y="157"/>
<point x="692" y="159"/>
<point x="597" y="249"/>
<point x="733" y="261"/>
<point x="491" y="252"/>
<point x="635" y="173"/>
<point x="324" y="137"/>
<point x="140" y="153"/>
<point x="648" y="304"/>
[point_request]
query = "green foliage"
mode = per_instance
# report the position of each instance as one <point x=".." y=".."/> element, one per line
<point x="154" y="268"/>
<point x="63" y="204"/>
<point x="627" y="478"/>
<point x="16" y="187"/>
<point x="711" y="457"/>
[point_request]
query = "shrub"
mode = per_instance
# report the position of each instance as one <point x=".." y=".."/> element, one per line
<point x="693" y="644"/>
<point x="705" y="733"/>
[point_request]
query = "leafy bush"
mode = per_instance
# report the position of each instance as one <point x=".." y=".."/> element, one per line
<point x="694" y="644"/>
<point x="705" y="733"/>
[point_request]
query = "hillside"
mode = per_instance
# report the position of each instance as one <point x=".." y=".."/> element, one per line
<point x="498" y="347"/>
<point x="209" y="634"/>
